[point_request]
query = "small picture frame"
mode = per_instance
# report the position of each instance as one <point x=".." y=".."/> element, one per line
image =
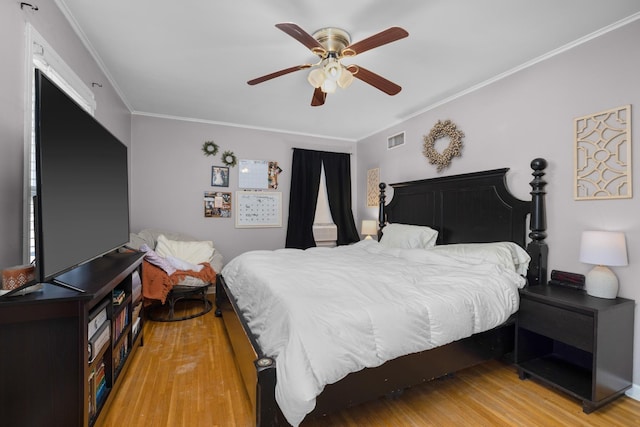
<point x="219" y="176"/>
<point x="217" y="204"/>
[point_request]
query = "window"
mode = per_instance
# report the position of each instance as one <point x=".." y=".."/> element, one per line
<point x="325" y="231"/>
<point x="42" y="56"/>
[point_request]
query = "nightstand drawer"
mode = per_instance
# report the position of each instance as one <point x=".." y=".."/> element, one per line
<point x="559" y="324"/>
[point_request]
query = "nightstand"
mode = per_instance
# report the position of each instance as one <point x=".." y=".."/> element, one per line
<point x="580" y="344"/>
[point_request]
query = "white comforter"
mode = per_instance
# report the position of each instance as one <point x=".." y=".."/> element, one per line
<point x="325" y="312"/>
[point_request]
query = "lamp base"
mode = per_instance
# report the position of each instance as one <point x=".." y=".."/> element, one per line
<point x="601" y="282"/>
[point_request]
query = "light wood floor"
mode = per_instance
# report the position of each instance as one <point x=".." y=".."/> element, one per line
<point x="184" y="375"/>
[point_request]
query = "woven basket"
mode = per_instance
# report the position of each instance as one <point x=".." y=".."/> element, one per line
<point x="19" y="275"/>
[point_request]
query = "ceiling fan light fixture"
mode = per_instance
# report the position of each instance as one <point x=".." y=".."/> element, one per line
<point x="346" y="78"/>
<point x="329" y="86"/>
<point x="331" y="45"/>
<point x="333" y="70"/>
<point x="316" y="77"/>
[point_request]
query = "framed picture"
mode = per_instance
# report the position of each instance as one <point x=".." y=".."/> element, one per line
<point x="219" y="176"/>
<point x="217" y="204"/>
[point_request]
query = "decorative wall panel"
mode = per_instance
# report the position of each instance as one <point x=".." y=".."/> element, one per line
<point x="603" y="155"/>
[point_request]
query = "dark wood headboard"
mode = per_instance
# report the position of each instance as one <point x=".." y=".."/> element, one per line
<point x="474" y="208"/>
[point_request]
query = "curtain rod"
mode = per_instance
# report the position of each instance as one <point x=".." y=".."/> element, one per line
<point x="320" y="151"/>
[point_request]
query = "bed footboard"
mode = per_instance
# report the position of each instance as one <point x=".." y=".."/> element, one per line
<point x="258" y="371"/>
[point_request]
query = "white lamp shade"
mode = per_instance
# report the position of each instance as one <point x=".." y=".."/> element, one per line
<point x="346" y="78"/>
<point x="329" y="86"/>
<point x="316" y="77"/>
<point x="603" y="248"/>
<point x="369" y="227"/>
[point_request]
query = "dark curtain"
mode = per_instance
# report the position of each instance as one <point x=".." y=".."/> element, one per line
<point x="305" y="181"/>
<point x="337" y="170"/>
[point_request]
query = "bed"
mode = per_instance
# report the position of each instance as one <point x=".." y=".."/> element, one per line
<point x="468" y="208"/>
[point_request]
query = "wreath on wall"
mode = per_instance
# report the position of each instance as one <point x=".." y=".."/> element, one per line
<point x="229" y="159"/>
<point x="454" y="149"/>
<point x="210" y="148"/>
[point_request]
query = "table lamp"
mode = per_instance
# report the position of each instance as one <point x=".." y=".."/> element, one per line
<point x="603" y="248"/>
<point x="369" y="228"/>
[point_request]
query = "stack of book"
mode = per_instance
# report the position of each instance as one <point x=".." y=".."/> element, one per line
<point x="98" y="341"/>
<point x="119" y="355"/>
<point x="118" y="296"/>
<point x="120" y="323"/>
<point x="97" y="388"/>
<point x="98" y="330"/>
<point x="101" y="384"/>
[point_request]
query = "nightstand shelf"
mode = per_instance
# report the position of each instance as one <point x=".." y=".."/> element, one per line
<point x="579" y="344"/>
<point x="571" y="378"/>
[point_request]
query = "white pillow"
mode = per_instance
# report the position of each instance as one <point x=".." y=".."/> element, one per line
<point x="192" y="252"/>
<point x="506" y="254"/>
<point x="408" y="236"/>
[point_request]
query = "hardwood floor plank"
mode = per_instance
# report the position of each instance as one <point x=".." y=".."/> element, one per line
<point x="185" y="375"/>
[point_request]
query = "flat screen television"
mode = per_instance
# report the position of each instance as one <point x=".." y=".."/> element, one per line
<point x="82" y="200"/>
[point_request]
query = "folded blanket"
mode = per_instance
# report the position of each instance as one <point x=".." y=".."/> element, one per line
<point x="156" y="283"/>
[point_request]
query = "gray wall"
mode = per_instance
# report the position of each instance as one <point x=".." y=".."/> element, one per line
<point x="171" y="173"/>
<point x="527" y="115"/>
<point x="111" y="111"/>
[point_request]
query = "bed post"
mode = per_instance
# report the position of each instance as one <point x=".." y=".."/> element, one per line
<point x="537" y="248"/>
<point x="381" y="218"/>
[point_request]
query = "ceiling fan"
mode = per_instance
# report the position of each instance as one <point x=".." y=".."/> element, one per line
<point x="331" y="45"/>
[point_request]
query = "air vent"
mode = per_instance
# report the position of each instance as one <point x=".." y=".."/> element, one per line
<point x="325" y="234"/>
<point x="395" y="140"/>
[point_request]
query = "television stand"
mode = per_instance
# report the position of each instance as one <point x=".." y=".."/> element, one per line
<point x="65" y="353"/>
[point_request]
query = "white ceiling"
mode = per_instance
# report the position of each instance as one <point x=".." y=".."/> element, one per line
<point x="192" y="58"/>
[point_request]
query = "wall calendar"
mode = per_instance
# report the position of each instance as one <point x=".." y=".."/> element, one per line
<point x="258" y="209"/>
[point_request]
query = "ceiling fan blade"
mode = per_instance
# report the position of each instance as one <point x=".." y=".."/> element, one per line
<point x="374" y="80"/>
<point x="387" y="36"/>
<point x="318" y="97"/>
<point x="278" y="74"/>
<point x="303" y="37"/>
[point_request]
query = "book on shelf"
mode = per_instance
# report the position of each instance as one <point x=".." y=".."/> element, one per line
<point x="136" y="286"/>
<point x="120" y="323"/>
<point x="120" y="354"/>
<point x="97" y="318"/>
<point x="92" y="396"/>
<point x="98" y="341"/>
<point x="97" y="387"/>
<point x="118" y="296"/>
